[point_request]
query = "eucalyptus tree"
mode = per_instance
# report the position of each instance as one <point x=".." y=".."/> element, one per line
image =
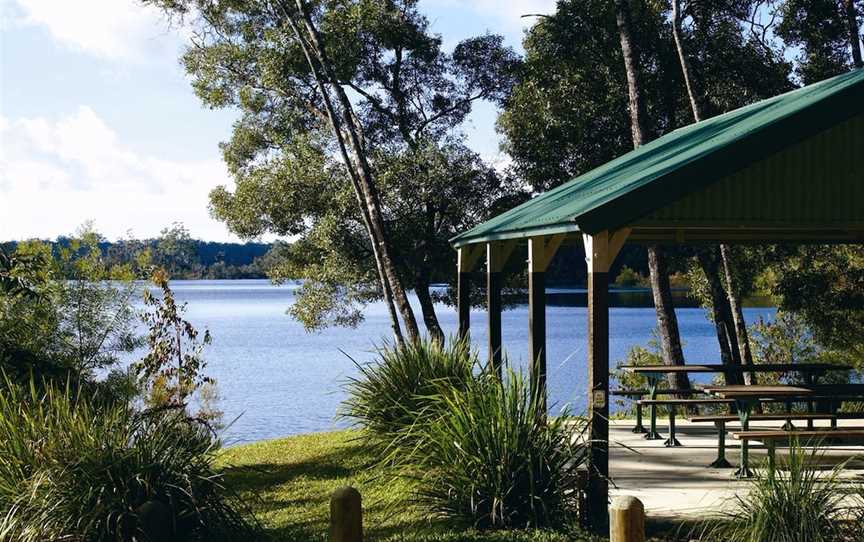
<point x="326" y="91"/>
<point x="826" y="34"/>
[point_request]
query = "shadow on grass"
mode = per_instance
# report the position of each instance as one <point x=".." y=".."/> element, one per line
<point x="298" y="493"/>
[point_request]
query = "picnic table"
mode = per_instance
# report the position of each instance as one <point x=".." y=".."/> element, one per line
<point x="747" y="397"/>
<point x="655" y="374"/>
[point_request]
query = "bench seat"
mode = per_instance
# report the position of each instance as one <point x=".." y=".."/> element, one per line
<point x="667" y="391"/>
<point x="770" y="438"/>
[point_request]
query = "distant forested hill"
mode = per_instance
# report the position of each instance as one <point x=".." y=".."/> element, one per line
<point x="182" y="256"/>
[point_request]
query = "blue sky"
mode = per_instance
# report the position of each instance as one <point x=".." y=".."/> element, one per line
<point x="98" y="121"/>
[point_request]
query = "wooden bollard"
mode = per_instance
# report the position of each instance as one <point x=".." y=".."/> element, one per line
<point x="626" y="520"/>
<point x="346" y="516"/>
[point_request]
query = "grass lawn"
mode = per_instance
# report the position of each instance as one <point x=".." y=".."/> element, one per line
<point x="289" y="482"/>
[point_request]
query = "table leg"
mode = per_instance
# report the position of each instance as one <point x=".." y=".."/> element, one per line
<point x="745" y="407"/>
<point x="721" y="462"/>
<point x="672" y="442"/>
<point x="653" y="381"/>
<point x="810" y="379"/>
<point x="788" y="426"/>
<point x="639" y="428"/>
<point x="772" y="462"/>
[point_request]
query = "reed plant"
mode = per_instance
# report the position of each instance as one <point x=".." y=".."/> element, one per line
<point x="495" y="460"/>
<point x="74" y="468"/>
<point x="795" y="501"/>
<point x="393" y="394"/>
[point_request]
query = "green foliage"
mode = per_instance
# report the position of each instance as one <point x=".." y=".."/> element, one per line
<point x="174" y="363"/>
<point x="77" y="468"/>
<point x="628" y="278"/>
<point x="78" y="318"/>
<point x="818" y="29"/>
<point x="795" y="502"/>
<point x="410" y="98"/>
<point x="397" y="392"/>
<point x="475" y="448"/>
<point x="639" y="356"/>
<point x="825" y="286"/>
<point x="569" y="111"/>
<point x="491" y="457"/>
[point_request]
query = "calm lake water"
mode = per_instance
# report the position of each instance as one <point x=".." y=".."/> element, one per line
<point x="278" y="380"/>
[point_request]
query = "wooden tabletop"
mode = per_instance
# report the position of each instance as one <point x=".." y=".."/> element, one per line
<point x="743" y="391"/>
<point x="719" y="368"/>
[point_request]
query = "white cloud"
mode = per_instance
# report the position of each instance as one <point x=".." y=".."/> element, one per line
<point x="114" y="29"/>
<point x="57" y="173"/>
<point x="509" y="13"/>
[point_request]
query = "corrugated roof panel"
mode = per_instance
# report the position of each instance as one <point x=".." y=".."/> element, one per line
<point x="690" y="159"/>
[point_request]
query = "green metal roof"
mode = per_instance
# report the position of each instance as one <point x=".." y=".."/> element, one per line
<point x="680" y="164"/>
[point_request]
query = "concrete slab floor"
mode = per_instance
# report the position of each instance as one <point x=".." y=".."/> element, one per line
<point x="676" y="484"/>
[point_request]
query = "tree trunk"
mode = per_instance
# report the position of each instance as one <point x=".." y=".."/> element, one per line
<point x="854" y="33"/>
<point x="427" y="307"/>
<point x="363" y="174"/>
<point x="732" y="302"/>
<point x="738" y="315"/>
<point x="709" y="259"/>
<point x="689" y="83"/>
<point x="634" y="90"/>
<point x="667" y="321"/>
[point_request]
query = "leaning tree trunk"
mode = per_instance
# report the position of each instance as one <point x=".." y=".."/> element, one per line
<point x="667" y="321"/>
<point x="336" y="126"/>
<point x="737" y="314"/>
<point x="854" y="32"/>
<point x="709" y="259"/>
<point x="364" y="175"/>
<point x="731" y="300"/>
<point x="427" y="307"/>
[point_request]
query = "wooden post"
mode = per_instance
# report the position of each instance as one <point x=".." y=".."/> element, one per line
<point x="540" y="253"/>
<point x="600" y="252"/>
<point x="626" y="520"/>
<point x="496" y="257"/>
<point x="346" y="516"/>
<point x="466" y="258"/>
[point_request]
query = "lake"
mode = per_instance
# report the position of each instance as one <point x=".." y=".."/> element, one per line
<point x="276" y="379"/>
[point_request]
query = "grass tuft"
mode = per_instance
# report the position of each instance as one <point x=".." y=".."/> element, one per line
<point x="794" y="502"/>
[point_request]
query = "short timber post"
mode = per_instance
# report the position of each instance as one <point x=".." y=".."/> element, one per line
<point x="626" y="520"/>
<point x="466" y="258"/>
<point x="346" y="516"/>
<point x="540" y="253"/>
<point x="496" y="256"/>
<point x="600" y="252"/>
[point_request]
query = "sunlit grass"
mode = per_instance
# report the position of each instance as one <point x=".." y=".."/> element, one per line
<point x="290" y="481"/>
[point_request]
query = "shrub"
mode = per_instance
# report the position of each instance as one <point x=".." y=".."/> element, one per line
<point x="76" y="468"/>
<point x="393" y="394"/>
<point x="493" y="458"/>
<point x="628" y="278"/>
<point x="790" y="503"/>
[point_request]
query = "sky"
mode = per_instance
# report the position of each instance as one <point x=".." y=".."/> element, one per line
<point x="98" y="121"/>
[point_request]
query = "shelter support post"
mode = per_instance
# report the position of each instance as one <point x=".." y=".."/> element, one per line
<point x="465" y="259"/>
<point x="497" y="254"/>
<point x="600" y="251"/>
<point x="540" y="253"/>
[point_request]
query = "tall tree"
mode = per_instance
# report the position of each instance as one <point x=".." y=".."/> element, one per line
<point x="725" y="302"/>
<point x="326" y="92"/>
<point x="824" y="32"/>
<point x="667" y="320"/>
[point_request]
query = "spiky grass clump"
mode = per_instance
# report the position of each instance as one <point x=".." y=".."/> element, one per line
<point x="494" y="459"/>
<point x="74" y="469"/>
<point x="794" y="502"/>
<point x="393" y="394"/>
